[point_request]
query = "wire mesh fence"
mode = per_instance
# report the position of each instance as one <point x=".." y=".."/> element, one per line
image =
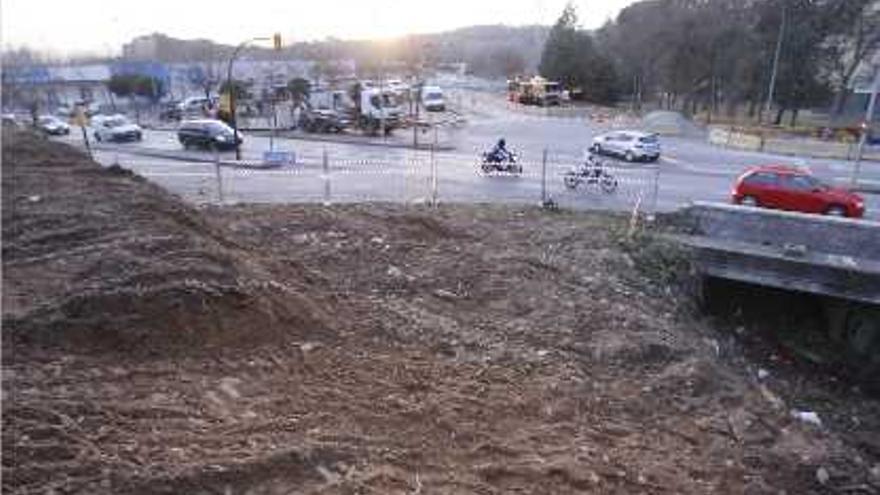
<point x="425" y="177"/>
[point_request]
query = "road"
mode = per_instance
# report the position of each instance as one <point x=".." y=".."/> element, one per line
<point x="690" y="168"/>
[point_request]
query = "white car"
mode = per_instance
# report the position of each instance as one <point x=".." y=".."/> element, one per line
<point x="53" y="126"/>
<point x="196" y="104"/>
<point x="629" y="145"/>
<point x="116" y="128"/>
<point x="432" y="99"/>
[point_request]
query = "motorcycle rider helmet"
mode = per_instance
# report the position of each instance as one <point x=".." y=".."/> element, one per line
<point x="501" y="143"/>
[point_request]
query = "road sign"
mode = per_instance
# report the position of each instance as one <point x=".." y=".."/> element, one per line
<point x="278" y="158"/>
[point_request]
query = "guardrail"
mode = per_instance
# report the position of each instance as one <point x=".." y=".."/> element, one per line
<point x="729" y="138"/>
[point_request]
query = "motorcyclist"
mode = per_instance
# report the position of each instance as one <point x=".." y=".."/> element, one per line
<point x="499" y="153"/>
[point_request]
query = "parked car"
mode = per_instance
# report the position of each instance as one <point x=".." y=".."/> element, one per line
<point x="208" y="134"/>
<point x="170" y="111"/>
<point x="196" y="105"/>
<point x="116" y="128"/>
<point x="53" y="126"/>
<point x="629" y="145"/>
<point x="432" y="99"/>
<point x="323" y="120"/>
<point x="794" y="189"/>
<point x="10" y="119"/>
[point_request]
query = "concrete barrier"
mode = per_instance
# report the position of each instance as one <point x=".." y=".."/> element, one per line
<point x="828" y="256"/>
<point x="832" y="235"/>
<point x="728" y="138"/>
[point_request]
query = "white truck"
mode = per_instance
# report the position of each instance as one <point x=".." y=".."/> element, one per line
<point x="376" y="109"/>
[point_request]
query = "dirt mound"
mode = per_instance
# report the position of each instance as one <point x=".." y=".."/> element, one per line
<point x="478" y="349"/>
<point x="101" y="258"/>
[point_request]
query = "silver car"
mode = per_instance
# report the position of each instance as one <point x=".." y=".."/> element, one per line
<point x="629" y="145"/>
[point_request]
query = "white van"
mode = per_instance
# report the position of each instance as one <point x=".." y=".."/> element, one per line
<point x="432" y="99"/>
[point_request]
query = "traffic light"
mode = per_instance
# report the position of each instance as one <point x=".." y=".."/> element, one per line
<point x="276" y="40"/>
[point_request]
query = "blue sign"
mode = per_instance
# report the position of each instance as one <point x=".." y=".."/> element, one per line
<point x="278" y="158"/>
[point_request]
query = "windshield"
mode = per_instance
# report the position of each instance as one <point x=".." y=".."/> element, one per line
<point x="48" y="120"/>
<point x="649" y="140"/>
<point x="115" y="122"/>
<point x="551" y="87"/>
<point x="388" y="100"/>
<point x="434" y="96"/>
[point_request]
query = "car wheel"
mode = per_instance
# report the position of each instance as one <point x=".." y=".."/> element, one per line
<point x="596" y="148"/>
<point x="749" y="201"/>
<point x="836" y="211"/>
<point x="186" y="144"/>
<point x="97" y="137"/>
<point x="629" y="156"/>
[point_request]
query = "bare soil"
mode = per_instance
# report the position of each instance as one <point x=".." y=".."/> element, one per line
<point x="150" y="347"/>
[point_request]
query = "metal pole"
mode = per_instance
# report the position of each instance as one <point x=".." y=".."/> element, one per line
<point x="326" y="165"/>
<point x="416" y="123"/>
<point x="544" y="179"/>
<point x="232" y="99"/>
<point x="433" y="178"/>
<point x="219" y="181"/>
<point x="232" y="93"/>
<point x="86" y="140"/>
<point x="772" y="87"/>
<point x="274" y="126"/>
<point x="655" y="195"/>
<point x="869" y="119"/>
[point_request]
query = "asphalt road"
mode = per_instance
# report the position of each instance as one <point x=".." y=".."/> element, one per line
<point x="690" y="169"/>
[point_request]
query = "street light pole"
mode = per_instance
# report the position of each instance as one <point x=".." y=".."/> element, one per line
<point x="869" y="119"/>
<point x="231" y="90"/>
<point x="772" y="88"/>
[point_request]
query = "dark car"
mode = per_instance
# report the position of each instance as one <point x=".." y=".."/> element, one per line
<point x="170" y="111"/>
<point x="323" y="120"/>
<point x="794" y="189"/>
<point x="207" y="134"/>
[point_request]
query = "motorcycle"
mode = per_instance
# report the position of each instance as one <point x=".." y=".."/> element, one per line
<point x="591" y="173"/>
<point x="507" y="165"/>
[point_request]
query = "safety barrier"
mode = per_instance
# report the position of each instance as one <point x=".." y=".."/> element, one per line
<point x="729" y="138"/>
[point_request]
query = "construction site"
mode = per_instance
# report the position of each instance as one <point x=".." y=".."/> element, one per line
<point x="151" y="346"/>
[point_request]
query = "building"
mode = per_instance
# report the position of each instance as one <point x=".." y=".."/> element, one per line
<point x="53" y="87"/>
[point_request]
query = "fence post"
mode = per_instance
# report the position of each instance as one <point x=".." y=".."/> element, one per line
<point x="544" y="178"/>
<point x="219" y="182"/>
<point x="656" y="188"/>
<point x="433" y="178"/>
<point x="326" y="167"/>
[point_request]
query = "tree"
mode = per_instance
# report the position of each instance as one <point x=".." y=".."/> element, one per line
<point x="570" y="57"/>
<point x="239" y="89"/>
<point x="130" y="85"/>
<point x="299" y="90"/>
<point x="121" y="85"/>
<point x="853" y="35"/>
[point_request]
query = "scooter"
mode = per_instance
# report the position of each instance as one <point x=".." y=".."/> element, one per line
<point x="592" y="173"/>
<point x="508" y="165"/>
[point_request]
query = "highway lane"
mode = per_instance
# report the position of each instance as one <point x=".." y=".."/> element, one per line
<point x="690" y="168"/>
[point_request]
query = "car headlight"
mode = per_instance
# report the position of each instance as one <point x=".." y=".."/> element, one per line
<point x="221" y="138"/>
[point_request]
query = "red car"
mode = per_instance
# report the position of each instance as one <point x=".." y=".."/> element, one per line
<point x="793" y="189"/>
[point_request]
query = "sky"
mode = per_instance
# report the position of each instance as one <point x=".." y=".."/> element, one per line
<point x="100" y="27"/>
